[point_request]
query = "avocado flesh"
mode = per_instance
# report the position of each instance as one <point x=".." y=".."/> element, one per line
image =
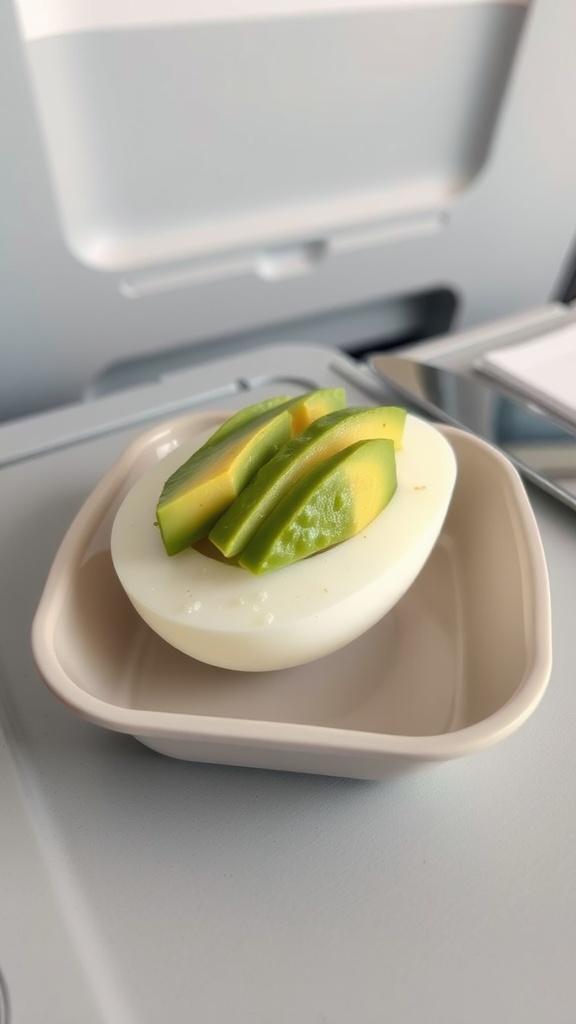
<point x="313" y="405"/>
<point x="303" y="409"/>
<point x="329" y="504"/>
<point x="244" y="416"/>
<point x="200" y="490"/>
<point x="322" y="439"/>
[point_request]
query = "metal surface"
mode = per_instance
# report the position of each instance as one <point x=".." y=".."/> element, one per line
<point x="541" y="446"/>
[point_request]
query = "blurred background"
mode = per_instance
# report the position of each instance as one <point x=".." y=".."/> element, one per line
<point x="182" y="180"/>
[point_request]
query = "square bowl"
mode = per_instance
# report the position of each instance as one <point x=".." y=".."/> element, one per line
<point x="459" y="663"/>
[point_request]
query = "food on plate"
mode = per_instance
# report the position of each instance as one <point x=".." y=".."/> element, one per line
<point x="322" y="439"/>
<point x="199" y="490"/>
<point x="222" y="614"/>
<point x="327" y="506"/>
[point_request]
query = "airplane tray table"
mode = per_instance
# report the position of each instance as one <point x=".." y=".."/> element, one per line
<point x="141" y="887"/>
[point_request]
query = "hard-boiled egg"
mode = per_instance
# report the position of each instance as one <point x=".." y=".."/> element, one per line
<point x="224" y="615"/>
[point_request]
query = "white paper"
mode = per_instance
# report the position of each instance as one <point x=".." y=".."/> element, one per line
<point x="543" y="369"/>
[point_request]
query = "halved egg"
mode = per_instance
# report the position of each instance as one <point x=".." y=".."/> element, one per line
<point x="224" y="615"/>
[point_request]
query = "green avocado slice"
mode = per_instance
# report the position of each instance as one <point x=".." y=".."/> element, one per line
<point x="322" y="439"/>
<point x="244" y="416"/>
<point x="303" y="409"/>
<point x="203" y="487"/>
<point x="329" y="504"/>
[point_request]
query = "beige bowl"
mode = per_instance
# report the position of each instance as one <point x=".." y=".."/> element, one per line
<point x="460" y="663"/>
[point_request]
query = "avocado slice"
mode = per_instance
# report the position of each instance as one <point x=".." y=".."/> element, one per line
<point x="313" y="405"/>
<point x="322" y="439"/>
<point x="304" y="409"/>
<point x="329" y="504"/>
<point x="244" y="416"/>
<point x="201" y="489"/>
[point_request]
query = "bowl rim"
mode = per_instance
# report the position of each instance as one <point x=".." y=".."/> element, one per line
<point x="192" y="727"/>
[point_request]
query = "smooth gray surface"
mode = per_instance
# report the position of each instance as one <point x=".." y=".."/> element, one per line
<point x="501" y="251"/>
<point x="153" y="889"/>
<point x="194" y="140"/>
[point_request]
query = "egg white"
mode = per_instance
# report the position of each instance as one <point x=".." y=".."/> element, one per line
<point x="226" y="616"/>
